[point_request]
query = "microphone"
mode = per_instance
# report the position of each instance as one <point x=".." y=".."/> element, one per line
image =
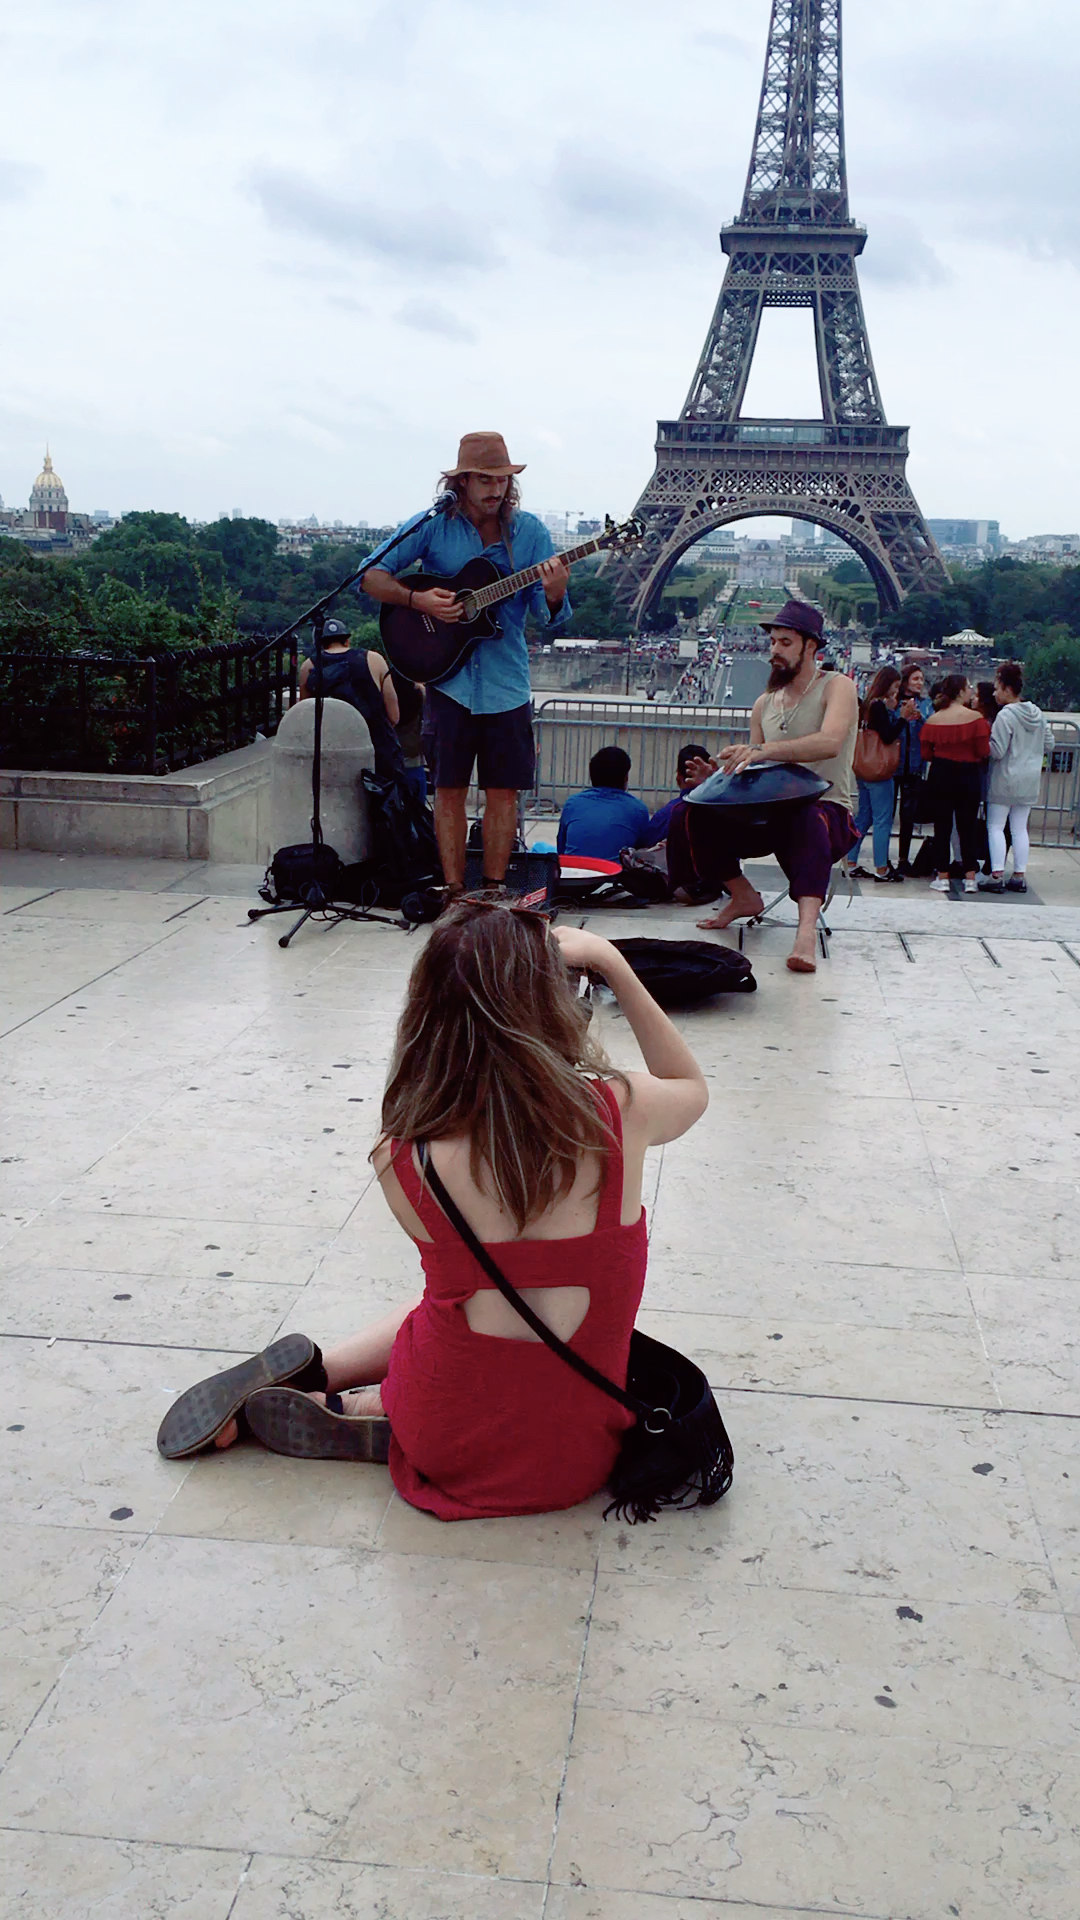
<point x="445" y="501"/>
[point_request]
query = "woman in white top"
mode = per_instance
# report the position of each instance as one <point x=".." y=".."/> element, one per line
<point x="1019" y="741"/>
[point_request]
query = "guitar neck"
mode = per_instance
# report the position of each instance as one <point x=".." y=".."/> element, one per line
<point x="513" y="582"/>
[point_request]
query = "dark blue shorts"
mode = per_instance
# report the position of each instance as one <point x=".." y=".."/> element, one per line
<point x="501" y="744"/>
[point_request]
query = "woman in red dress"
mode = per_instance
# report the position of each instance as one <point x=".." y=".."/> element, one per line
<point x="541" y="1144"/>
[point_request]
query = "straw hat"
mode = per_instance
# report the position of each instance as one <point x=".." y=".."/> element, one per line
<point x="483" y="453"/>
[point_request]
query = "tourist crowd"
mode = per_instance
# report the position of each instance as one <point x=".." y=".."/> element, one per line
<point x="965" y="759"/>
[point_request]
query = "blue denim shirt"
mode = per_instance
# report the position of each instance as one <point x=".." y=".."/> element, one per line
<point x="496" y="678"/>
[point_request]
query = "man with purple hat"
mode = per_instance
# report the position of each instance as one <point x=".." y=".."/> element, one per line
<point x="810" y="718"/>
<point x="482" y="713"/>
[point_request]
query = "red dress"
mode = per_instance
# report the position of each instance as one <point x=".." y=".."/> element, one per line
<point x="488" y="1426"/>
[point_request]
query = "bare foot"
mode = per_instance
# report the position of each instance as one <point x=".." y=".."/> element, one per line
<point x="742" y="907"/>
<point x="228" y="1435"/>
<point x="803" y="955"/>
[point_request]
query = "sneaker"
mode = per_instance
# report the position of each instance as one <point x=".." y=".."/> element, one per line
<point x="970" y="886"/>
<point x="991" y="885"/>
<point x="890" y="875"/>
<point x="859" y="873"/>
<point x="1017" y="884"/>
<point x="906" y="870"/>
<point x="940" y="886"/>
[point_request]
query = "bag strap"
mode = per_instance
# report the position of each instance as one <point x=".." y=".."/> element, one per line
<point x="510" y="1293"/>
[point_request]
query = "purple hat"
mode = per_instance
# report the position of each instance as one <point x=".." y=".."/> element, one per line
<point x="801" y="618"/>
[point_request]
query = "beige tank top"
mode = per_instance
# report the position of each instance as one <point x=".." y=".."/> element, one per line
<point x="808" y="716"/>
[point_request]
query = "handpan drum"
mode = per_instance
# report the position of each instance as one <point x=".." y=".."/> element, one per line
<point x="759" y="790"/>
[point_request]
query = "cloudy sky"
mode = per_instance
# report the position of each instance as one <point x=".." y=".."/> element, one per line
<point x="280" y="255"/>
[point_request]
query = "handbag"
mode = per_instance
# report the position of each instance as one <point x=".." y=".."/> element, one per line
<point x="677" y="1453"/>
<point x="873" y="760"/>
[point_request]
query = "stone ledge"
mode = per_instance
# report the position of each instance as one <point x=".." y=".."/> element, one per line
<point x="217" y="811"/>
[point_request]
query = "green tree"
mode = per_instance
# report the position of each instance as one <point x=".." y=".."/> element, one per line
<point x="1052" y="670"/>
<point x="850" y="573"/>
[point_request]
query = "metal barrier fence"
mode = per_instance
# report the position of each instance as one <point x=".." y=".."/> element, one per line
<point x="84" y="713"/>
<point x="1055" y="821"/>
<point x="569" y="732"/>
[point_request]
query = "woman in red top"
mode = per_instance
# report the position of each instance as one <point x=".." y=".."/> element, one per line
<point x="956" y="742"/>
<point x="541" y="1144"/>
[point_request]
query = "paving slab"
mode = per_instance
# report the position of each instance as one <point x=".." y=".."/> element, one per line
<point x="249" y="1688"/>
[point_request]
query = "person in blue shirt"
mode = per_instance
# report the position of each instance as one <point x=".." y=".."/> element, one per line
<point x="482" y="713"/>
<point x="605" y="818"/>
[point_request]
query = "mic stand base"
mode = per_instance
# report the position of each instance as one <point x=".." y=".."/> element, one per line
<point x="330" y="912"/>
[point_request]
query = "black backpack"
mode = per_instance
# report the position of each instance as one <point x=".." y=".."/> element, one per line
<point x="404" y="852"/>
<point x="679" y="973"/>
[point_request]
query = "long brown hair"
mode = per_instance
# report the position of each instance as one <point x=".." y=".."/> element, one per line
<point x="949" y="690"/>
<point x="882" y="683"/>
<point x="492" y="1044"/>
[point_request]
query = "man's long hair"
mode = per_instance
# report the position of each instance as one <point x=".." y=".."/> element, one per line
<point x="494" y="1047"/>
<point x="455" y="483"/>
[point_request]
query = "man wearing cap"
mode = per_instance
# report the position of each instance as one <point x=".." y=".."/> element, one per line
<point x="483" y="712"/>
<point x="808" y="717"/>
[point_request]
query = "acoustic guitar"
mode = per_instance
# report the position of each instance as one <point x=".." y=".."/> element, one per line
<point x="432" y="650"/>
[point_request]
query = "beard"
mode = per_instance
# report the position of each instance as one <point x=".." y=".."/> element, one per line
<point x="782" y="675"/>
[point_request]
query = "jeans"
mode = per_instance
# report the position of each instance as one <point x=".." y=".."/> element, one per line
<point x="1017" y="817"/>
<point x="910" y="788"/>
<point x="875" y="804"/>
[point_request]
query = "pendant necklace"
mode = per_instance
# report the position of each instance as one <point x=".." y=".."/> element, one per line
<point x="786" y="713"/>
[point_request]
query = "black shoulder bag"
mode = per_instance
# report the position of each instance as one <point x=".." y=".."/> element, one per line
<point x="677" y="1453"/>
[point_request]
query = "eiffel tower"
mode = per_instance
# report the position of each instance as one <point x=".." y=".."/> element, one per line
<point x="794" y="244"/>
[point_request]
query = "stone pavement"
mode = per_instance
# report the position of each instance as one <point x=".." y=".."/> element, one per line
<point x="246" y="1688"/>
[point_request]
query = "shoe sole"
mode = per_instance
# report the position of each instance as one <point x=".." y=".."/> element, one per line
<point x="199" y="1415"/>
<point x="289" y="1422"/>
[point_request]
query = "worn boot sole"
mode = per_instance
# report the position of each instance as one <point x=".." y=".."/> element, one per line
<point x="289" y="1422"/>
<point x="199" y="1415"/>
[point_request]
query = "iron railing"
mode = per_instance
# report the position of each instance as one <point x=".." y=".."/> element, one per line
<point x="88" y="713"/>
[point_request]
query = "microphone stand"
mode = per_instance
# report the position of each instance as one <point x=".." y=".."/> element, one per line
<point x="317" y="902"/>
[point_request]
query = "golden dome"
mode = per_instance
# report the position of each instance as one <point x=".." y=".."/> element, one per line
<point x="48" y="481"/>
<point x="48" y="494"/>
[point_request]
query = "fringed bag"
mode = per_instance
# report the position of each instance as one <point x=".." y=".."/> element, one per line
<point x="677" y="1453"/>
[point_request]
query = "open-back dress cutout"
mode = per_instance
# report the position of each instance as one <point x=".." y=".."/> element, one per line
<point x="484" y="1425"/>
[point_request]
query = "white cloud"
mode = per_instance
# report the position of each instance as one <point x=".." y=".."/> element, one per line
<point x="237" y="266"/>
<point x="430" y="316"/>
<point x="428" y="239"/>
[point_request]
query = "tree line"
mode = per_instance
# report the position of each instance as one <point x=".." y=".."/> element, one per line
<point x="1031" y="612"/>
<point x="156" y="581"/>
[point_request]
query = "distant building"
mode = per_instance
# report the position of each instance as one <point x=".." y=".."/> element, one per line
<point x="763" y="564"/>
<point x="1061" y="547"/>
<point x="966" y="533"/>
<point x="804" y="533"/>
<point x="49" y="527"/>
<point x="299" y="536"/>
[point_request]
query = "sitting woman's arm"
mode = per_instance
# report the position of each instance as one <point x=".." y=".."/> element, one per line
<point x="672" y="1093"/>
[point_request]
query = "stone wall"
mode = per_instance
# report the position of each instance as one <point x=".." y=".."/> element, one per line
<point x="219" y="810"/>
